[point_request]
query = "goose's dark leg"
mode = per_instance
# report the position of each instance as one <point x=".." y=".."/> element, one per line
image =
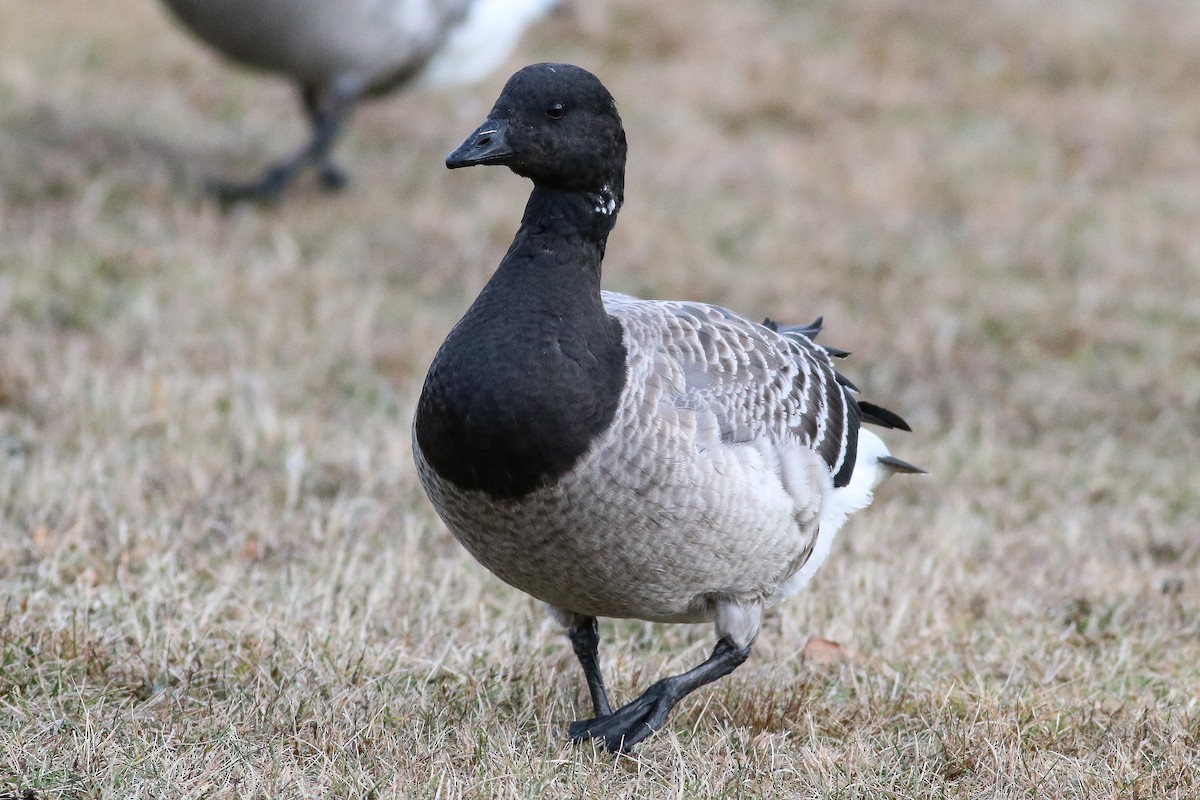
<point x="327" y="111"/>
<point x="585" y="639"/>
<point x="630" y="724"/>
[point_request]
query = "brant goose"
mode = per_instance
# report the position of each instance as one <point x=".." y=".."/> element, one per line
<point x="339" y="52"/>
<point x="616" y="457"/>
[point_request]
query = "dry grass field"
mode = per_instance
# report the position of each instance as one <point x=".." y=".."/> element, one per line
<point x="219" y="577"/>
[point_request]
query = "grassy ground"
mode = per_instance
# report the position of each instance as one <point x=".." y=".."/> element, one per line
<point x="218" y="576"/>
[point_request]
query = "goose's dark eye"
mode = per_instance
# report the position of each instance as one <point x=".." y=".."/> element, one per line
<point x="556" y="111"/>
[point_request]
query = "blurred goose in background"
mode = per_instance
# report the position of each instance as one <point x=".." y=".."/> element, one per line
<point x="339" y="51"/>
<point x="616" y="457"/>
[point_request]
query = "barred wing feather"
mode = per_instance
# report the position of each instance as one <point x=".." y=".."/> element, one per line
<point x="756" y="381"/>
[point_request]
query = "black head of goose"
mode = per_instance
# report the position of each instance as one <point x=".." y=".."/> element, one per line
<point x="340" y="52"/>
<point x="616" y="457"/>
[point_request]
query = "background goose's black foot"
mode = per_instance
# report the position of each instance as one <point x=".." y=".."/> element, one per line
<point x="621" y="730"/>
<point x="327" y="112"/>
<point x="333" y="178"/>
<point x="267" y="189"/>
<point x="271" y="186"/>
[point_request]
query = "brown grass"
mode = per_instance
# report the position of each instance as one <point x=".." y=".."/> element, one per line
<point x="218" y="576"/>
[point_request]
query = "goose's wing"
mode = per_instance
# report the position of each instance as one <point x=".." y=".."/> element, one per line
<point x="756" y="380"/>
<point x="874" y="414"/>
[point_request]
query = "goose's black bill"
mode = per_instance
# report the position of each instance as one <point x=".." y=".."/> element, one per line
<point x="487" y="145"/>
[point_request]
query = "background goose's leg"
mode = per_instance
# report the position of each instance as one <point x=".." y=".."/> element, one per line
<point x="321" y="118"/>
<point x="585" y="639"/>
<point x="327" y="111"/>
<point x="630" y="724"/>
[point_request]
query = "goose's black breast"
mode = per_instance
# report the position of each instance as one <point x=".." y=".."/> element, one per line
<point x="509" y="408"/>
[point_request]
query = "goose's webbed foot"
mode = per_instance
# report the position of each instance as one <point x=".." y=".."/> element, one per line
<point x="624" y="728"/>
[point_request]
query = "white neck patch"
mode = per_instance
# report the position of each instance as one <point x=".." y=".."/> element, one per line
<point x="606" y="203"/>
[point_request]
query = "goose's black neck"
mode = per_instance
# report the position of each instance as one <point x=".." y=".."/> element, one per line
<point x="533" y="372"/>
<point x="586" y="216"/>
